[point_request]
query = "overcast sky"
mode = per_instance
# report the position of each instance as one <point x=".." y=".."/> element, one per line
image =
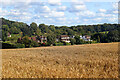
<point x="56" y="12"/>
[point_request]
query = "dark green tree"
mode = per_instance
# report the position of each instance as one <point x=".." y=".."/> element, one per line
<point x="51" y="39"/>
<point x="72" y="41"/>
<point x="33" y="27"/>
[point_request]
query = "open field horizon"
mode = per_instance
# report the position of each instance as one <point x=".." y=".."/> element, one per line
<point x="77" y="61"/>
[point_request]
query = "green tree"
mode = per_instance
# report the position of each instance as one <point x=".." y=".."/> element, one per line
<point x="5" y="28"/>
<point x="72" y="41"/>
<point x="33" y="27"/>
<point x="113" y="36"/>
<point x="51" y="39"/>
<point x="14" y="30"/>
<point x="43" y="28"/>
<point x="4" y="35"/>
<point x="26" y="41"/>
<point x="77" y="38"/>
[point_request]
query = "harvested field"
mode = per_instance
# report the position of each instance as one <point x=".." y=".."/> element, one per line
<point x="78" y="61"/>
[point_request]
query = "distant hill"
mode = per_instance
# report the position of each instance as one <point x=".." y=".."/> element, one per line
<point x="13" y="30"/>
<point x="42" y="29"/>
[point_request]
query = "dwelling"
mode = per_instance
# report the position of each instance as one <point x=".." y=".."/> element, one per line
<point x="29" y="38"/>
<point x="43" y="39"/>
<point x="38" y="41"/>
<point x="65" y="38"/>
<point x="9" y="35"/>
<point x="81" y="37"/>
<point x="57" y="40"/>
<point x="86" y="38"/>
<point x="33" y="38"/>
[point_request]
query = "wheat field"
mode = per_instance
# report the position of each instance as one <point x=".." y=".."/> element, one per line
<point x="77" y="61"/>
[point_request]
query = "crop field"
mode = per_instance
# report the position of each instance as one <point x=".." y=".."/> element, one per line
<point x="77" y="61"/>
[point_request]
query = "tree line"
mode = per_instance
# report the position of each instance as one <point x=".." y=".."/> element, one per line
<point x="102" y="33"/>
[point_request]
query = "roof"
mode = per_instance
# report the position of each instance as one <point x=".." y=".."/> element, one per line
<point x="8" y="34"/>
<point x="64" y="36"/>
<point x="33" y="38"/>
<point x="29" y="37"/>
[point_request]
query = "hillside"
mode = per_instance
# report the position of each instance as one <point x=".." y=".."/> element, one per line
<point x="20" y="35"/>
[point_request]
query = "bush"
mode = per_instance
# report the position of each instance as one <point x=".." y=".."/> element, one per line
<point x="93" y="42"/>
<point x="18" y="45"/>
<point x="44" y="44"/>
<point x="67" y="43"/>
<point x="8" y="46"/>
<point x="59" y="44"/>
<point x="34" y="44"/>
<point x="72" y="41"/>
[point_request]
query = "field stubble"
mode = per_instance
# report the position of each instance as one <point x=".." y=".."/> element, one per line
<point x="78" y="61"/>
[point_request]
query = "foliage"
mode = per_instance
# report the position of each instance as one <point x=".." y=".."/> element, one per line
<point x="18" y="45"/>
<point x="102" y="33"/>
<point x="27" y="42"/>
<point x="8" y="46"/>
<point x="72" y="41"/>
<point x="59" y="44"/>
<point x="51" y="39"/>
<point x="67" y="43"/>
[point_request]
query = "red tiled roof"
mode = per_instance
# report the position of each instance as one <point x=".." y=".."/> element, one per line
<point x="64" y="36"/>
<point x="33" y="38"/>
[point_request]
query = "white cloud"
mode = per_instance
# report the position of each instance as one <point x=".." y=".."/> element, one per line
<point x="42" y="9"/>
<point x="14" y="2"/>
<point x="105" y="15"/>
<point x="62" y="8"/>
<point x="115" y="12"/>
<point x="112" y="19"/>
<point x="115" y="6"/>
<point x="54" y="2"/>
<point x="86" y="13"/>
<point x="62" y="19"/>
<point x="77" y="2"/>
<point x="56" y="14"/>
<point x="77" y="8"/>
<point x="46" y="8"/>
<point x="97" y="19"/>
<point x="102" y="10"/>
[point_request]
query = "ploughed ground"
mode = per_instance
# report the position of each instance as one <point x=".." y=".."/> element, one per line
<point x="77" y="61"/>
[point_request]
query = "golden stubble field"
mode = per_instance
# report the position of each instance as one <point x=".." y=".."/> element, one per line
<point x="78" y="61"/>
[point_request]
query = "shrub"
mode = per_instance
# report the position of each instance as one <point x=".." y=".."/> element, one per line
<point x="67" y="43"/>
<point x="34" y="44"/>
<point x="72" y="41"/>
<point x="44" y="44"/>
<point x="18" y="45"/>
<point x="59" y="44"/>
<point x="8" y="46"/>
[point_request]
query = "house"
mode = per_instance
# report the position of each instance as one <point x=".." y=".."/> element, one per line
<point x="57" y="38"/>
<point x="86" y="38"/>
<point x="38" y="41"/>
<point x="81" y="37"/>
<point x="9" y="35"/>
<point x="42" y="39"/>
<point x="33" y="38"/>
<point x="65" y="38"/>
<point x="29" y="38"/>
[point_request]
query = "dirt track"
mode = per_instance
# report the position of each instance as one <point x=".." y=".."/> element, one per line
<point x="80" y="61"/>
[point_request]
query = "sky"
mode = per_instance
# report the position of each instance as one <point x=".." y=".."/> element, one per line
<point x="59" y="12"/>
